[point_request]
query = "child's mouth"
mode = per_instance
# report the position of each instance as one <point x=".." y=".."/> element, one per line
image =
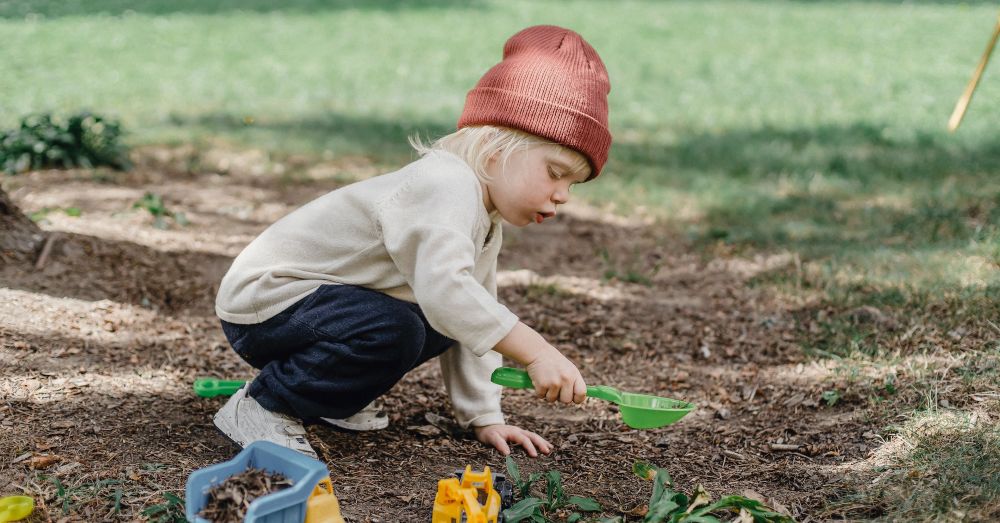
<point x="541" y="216"/>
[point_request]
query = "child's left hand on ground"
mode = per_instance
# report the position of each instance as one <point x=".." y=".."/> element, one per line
<point x="500" y="435"/>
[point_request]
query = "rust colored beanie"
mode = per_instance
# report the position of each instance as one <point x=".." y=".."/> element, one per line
<point x="550" y="83"/>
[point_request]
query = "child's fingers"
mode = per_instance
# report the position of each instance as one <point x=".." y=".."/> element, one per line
<point x="500" y="443"/>
<point x="541" y="392"/>
<point x="567" y="394"/>
<point x="579" y="391"/>
<point x="544" y="446"/>
<point x="552" y="394"/>
<point x="522" y="439"/>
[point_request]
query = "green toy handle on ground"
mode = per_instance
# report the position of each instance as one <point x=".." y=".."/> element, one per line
<point x="210" y="387"/>
<point x="639" y="411"/>
<point x="16" y="508"/>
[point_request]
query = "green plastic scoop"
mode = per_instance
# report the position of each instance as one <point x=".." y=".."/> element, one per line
<point x="14" y="508"/>
<point x="210" y="387"/>
<point x="639" y="411"/>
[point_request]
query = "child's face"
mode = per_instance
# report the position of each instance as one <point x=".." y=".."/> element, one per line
<point x="531" y="185"/>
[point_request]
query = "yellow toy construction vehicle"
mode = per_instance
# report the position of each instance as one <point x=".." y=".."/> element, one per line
<point x="472" y="498"/>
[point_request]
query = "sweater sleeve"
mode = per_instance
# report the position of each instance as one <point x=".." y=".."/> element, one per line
<point x="427" y="229"/>
<point x="474" y="398"/>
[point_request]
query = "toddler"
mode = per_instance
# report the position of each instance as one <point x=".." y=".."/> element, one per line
<point x="339" y="299"/>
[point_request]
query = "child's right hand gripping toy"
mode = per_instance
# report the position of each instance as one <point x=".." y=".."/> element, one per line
<point x="473" y="497"/>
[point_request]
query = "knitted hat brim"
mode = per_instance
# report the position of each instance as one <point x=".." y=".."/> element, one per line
<point x="563" y="125"/>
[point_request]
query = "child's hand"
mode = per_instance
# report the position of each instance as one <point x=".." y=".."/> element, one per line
<point x="554" y="376"/>
<point x="499" y="435"/>
<point x="557" y="378"/>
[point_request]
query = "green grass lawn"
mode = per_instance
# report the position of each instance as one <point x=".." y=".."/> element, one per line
<point x="811" y="127"/>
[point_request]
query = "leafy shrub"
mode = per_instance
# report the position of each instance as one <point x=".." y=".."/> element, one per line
<point x="82" y="140"/>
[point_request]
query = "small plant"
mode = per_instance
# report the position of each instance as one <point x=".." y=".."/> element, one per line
<point x="40" y="215"/>
<point x="172" y="511"/>
<point x="153" y="203"/>
<point x="82" y="140"/>
<point x="668" y="505"/>
<point x="71" y="496"/>
<point x="538" y="510"/>
<point x="831" y="397"/>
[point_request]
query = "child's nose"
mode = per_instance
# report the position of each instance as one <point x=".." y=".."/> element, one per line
<point x="560" y="197"/>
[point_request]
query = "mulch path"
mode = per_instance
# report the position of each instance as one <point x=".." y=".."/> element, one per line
<point x="99" y="347"/>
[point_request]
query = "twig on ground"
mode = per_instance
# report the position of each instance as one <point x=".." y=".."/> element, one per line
<point x="734" y="455"/>
<point x="46" y="250"/>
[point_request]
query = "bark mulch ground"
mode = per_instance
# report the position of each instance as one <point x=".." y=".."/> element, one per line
<point x="99" y="347"/>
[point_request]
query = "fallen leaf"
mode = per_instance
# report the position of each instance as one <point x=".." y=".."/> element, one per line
<point x="425" y="430"/>
<point x="43" y="462"/>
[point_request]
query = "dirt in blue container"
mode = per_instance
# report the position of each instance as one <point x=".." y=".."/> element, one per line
<point x="228" y="501"/>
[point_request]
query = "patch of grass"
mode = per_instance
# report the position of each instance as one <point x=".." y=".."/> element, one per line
<point x="639" y="267"/>
<point x="153" y="203"/>
<point x="170" y="511"/>
<point x="947" y="469"/>
<point x="107" y="492"/>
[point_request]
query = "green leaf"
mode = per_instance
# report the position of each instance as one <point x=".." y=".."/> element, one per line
<point x="512" y="470"/>
<point x="522" y="510"/>
<point x="831" y="397"/>
<point x="699" y="519"/>
<point x="701" y="497"/>
<point x="584" y="504"/>
<point x="659" y="511"/>
<point x="644" y="470"/>
<point x="554" y="490"/>
<point x="574" y="517"/>
<point x="660" y="484"/>
<point x="73" y="211"/>
<point x="758" y="510"/>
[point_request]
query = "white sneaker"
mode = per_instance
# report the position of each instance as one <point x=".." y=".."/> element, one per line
<point x="369" y="418"/>
<point x="244" y="421"/>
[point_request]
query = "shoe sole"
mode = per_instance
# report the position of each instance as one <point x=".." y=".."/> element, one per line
<point x="357" y="427"/>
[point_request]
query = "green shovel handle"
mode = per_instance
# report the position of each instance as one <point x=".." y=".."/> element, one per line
<point x="210" y="387"/>
<point x="519" y="379"/>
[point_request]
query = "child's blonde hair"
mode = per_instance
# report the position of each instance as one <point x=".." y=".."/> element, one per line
<point x="478" y="144"/>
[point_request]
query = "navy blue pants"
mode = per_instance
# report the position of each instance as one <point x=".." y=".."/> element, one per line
<point x="334" y="351"/>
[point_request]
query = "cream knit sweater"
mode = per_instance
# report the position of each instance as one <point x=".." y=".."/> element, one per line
<point x="420" y="234"/>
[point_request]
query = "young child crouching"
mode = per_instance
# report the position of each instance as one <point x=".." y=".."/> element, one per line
<point x="339" y="299"/>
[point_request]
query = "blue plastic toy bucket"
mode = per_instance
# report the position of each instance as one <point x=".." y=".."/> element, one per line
<point x="285" y="506"/>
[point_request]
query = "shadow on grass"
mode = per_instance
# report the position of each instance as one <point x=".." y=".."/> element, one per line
<point x="383" y="139"/>
<point x="826" y="189"/>
<point x="60" y="8"/>
<point x="842" y="188"/>
<point x="862" y="152"/>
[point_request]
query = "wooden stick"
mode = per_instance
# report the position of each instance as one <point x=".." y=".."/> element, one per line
<point x="963" y="102"/>
<point x="46" y="249"/>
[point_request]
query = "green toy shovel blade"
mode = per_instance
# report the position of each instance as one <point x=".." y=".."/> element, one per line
<point x="15" y="508"/>
<point x="639" y="411"/>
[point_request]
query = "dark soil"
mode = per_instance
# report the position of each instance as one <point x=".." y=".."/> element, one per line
<point x="100" y="344"/>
